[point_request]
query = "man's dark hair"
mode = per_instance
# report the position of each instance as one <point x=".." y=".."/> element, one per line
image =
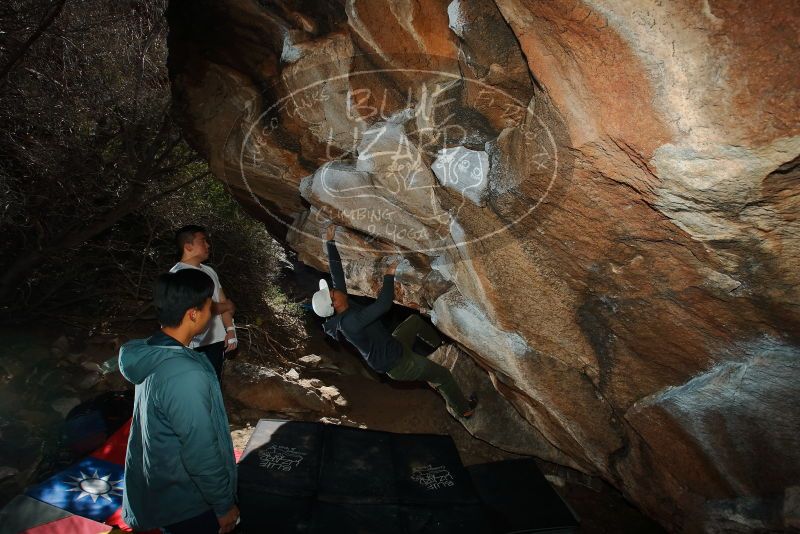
<point x="185" y="235"/>
<point x="175" y="293"/>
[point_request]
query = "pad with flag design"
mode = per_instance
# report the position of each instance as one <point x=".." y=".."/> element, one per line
<point x="91" y="488"/>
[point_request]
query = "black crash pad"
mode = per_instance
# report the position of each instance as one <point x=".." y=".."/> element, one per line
<point x="399" y="519"/>
<point x="310" y="477"/>
<point x="519" y="499"/>
<point x="357" y="467"/>
<point x="283" y="458"/>
<point x="429" y="471"/>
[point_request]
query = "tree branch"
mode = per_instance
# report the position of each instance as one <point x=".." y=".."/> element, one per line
<point x="49" y="18"/>
<point x="166" y="192"/>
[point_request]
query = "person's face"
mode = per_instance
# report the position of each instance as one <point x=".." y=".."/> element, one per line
<point x="339" y="299"/>
<point x="200" y="247"/>
<point x="199" y="317"/>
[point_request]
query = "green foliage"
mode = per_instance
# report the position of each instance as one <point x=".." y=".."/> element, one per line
<point x="280" y="302"/>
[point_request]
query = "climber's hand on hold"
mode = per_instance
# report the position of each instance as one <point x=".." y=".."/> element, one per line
<point x="391" y="266"/>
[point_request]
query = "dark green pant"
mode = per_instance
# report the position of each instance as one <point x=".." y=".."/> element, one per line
<point x="416" y="367"/>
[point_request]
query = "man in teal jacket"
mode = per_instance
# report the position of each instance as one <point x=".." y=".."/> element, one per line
<point x="180" y="473"/>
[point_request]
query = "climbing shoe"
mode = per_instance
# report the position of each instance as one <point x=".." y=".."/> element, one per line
<point x="473" y="402"/>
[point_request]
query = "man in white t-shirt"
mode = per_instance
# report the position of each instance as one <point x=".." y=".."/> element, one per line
<point x="220" y="336"/>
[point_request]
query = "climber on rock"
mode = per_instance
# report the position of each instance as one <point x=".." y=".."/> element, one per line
<point x="390" y="354"/>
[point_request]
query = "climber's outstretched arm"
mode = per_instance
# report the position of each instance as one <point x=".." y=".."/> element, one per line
<point x="335" y="261"/>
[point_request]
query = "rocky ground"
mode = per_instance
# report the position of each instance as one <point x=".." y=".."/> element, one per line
<point x="45" y="374"/>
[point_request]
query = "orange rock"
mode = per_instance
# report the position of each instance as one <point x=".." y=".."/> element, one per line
<point x="628" y="273"/>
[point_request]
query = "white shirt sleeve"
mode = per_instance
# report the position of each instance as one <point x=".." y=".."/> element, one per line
<point x="213" y="274"/>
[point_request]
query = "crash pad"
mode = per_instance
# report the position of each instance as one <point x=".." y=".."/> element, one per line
<point x="312" y="477"/>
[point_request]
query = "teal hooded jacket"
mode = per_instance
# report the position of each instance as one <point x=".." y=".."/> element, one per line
<point x="180" y="460"/>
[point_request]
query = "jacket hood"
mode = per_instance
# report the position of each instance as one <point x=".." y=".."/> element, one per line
<point x="138" y="360"/>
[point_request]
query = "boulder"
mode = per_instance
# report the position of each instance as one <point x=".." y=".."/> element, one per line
<point x="598" y="202"/>
<point x="263" y="389"/>
<point x="495" y="419"/>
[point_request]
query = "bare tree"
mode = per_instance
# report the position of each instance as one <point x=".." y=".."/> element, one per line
<point x="87" y="135"/>
<point x="15" y="55"/>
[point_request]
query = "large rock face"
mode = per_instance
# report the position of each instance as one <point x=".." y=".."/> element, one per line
<point x="597" y="200"/>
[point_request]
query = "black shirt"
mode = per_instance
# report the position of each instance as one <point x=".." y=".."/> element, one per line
<point x="361" y="325"/>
